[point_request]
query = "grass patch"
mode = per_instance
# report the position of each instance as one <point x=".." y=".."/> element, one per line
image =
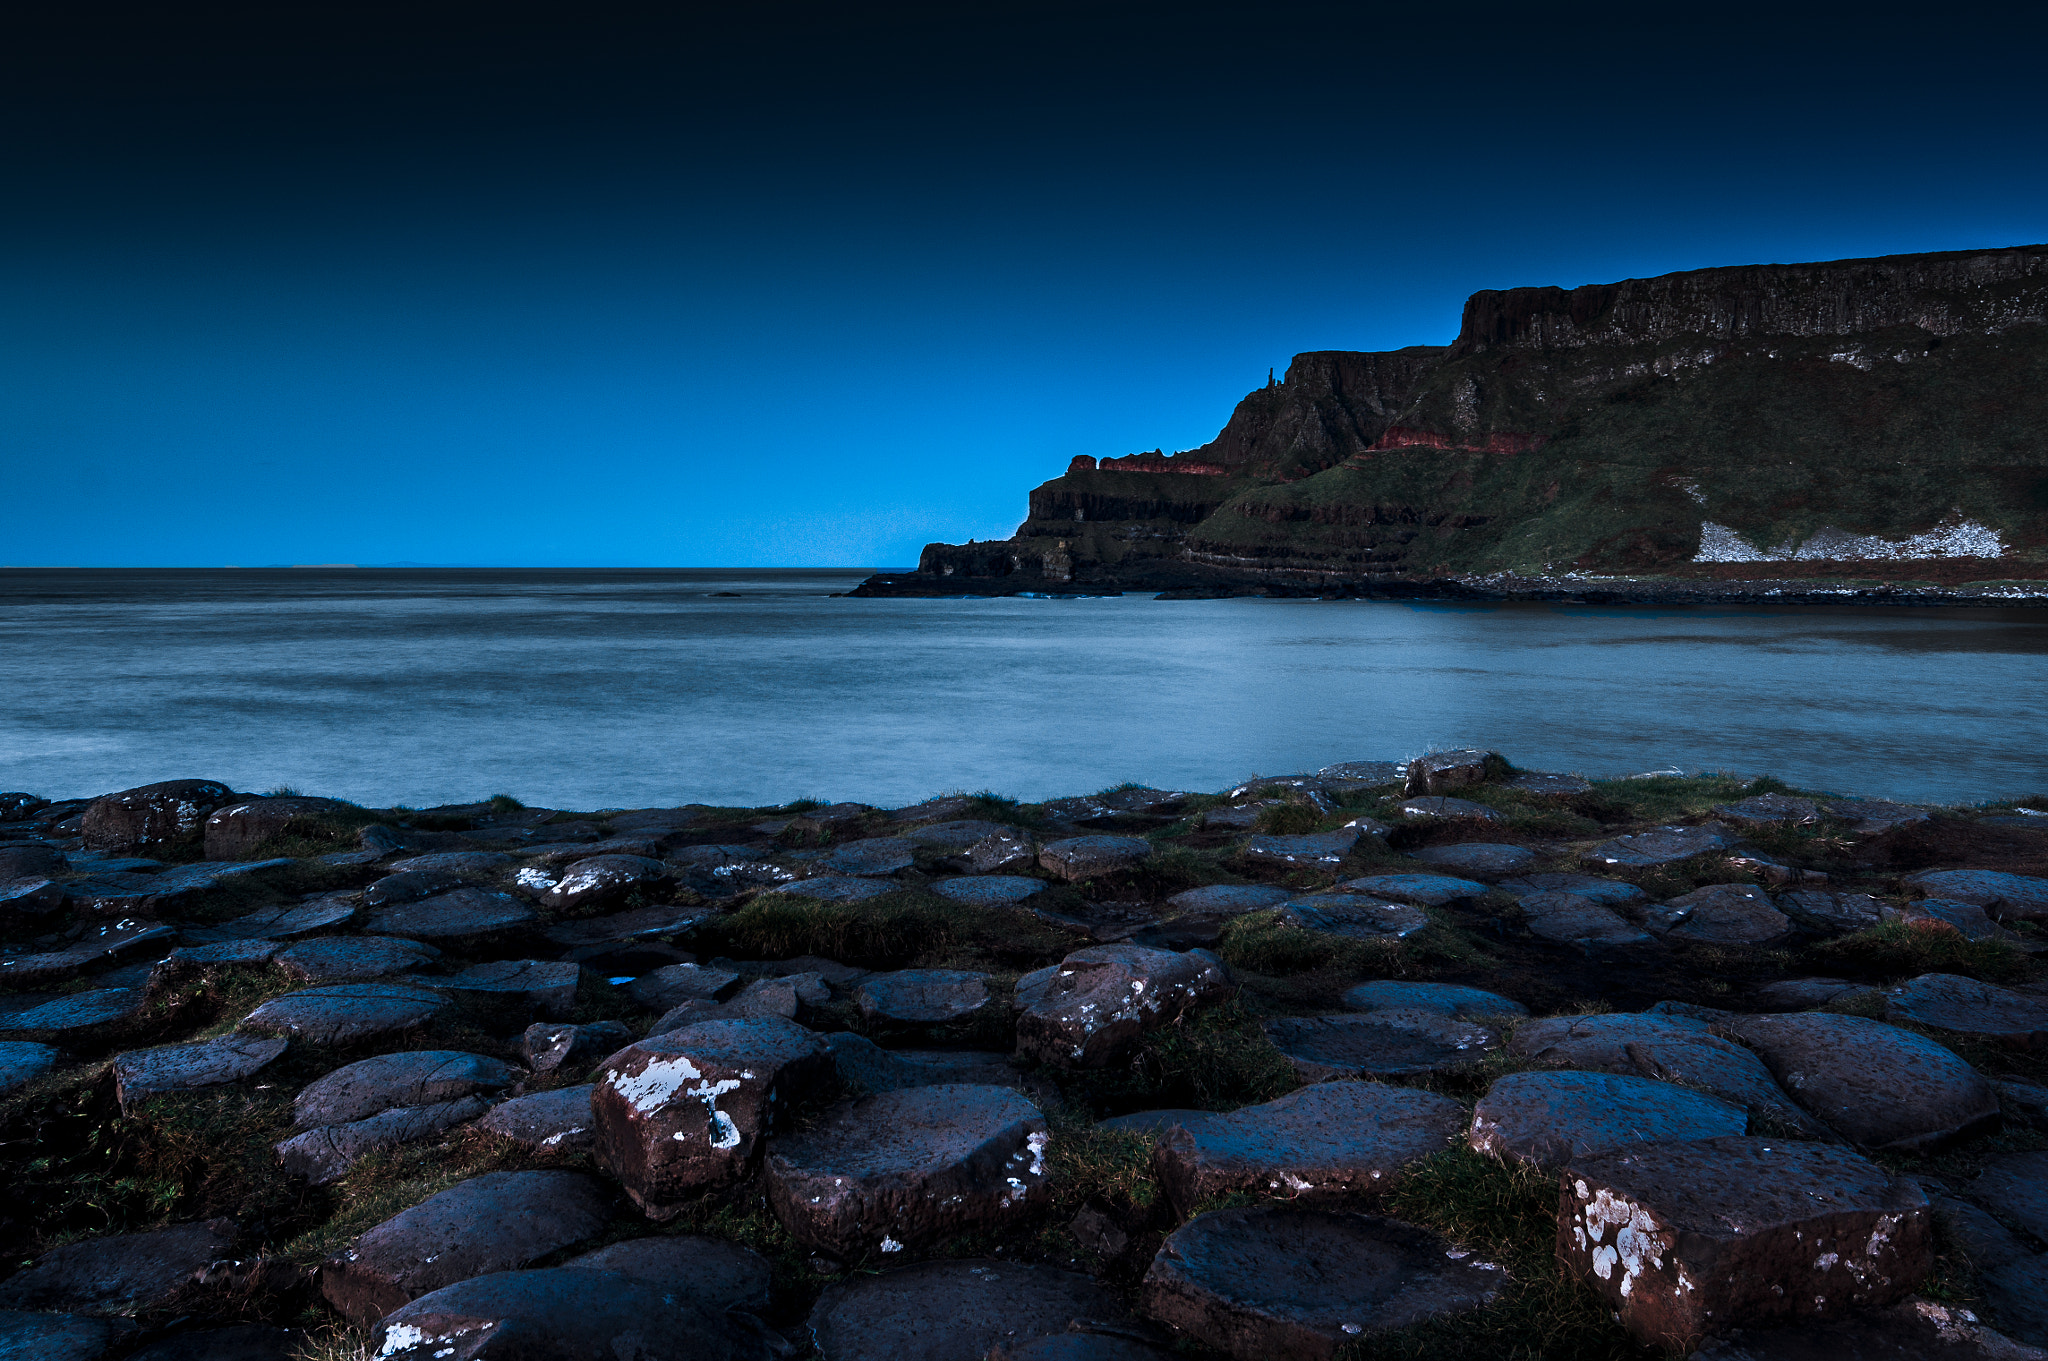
<point x="893" y="931"/>
<point x="1217" y="1059"/>
<point x="1658" y="799"/>
<point x="1901" y="949"/>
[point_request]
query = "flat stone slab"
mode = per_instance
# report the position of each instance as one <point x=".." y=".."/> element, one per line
<point x="1594" y="887"/>
<point x="452" y="916"/>
<point x="1369" y="773"/>
<point x="1485" y="860"/>
<point x="568" y="1312"/>
<point x="1874" y="1084"/>
<point x="1379" y="1043"/>
<point x="558" y="1121"/>
<point x="411" y="886"/>
<point x="1428" y="890"/>
<point x="908" y="1168"/>
<point x="1667" y="1048"/>
<point x="1720" y="914"/>
<point x="1090" y="1008"/>
<point x="28" y="1336"/>
<point x="1088" y="857"/>
<point x="1912" y="1330"/>
<point x="1451" y="999"/>
<point x="1965" y="1006"/>
<point x="345" y="1012"/>
<point x="873" y="857"/>
<point x="1445" y="809"/>
<point x="278" y="923"/>
<point x="22" y="1062"/>
<point x="2016" y="1184"/>
<point x="1972" y="921"/>
<point x="989" y="890"/>
<point x="632" y="924"/>
<point x="1227" y="899"/>
<point x="471" y="864"/>
<point x="954" y="836"/>
<point x="1549" y="1120"/>
<point x="868" y="1066"/>
<point x="1771" y="810"/>
<point x="547" y="985"/>
<point x="1568" y="919"/>
<point x="673" y="984"/>
<point x="1325" y="1140"/>
<point x="1008" y="848"/>
<point x="1662" y="845"/>
<point x="30" y="894"/>
<point x="184" y="1067"/>
<point x="1555" y="786"/>
<point x="952" y="1310"/>
<point x="2006" y="895"/>
<point x="922" y="996"/>
<point x="546" y="1046"/>
<point x="496" y="1222"/>
<point x="325" y="1154"/>
<point x="1354" y="915"/>
<point x="344" y="959"/>
<point x="1295" y="1282"/>
<point x="689" y="1108"/>
<point x="96" y="945"/>
<point x="1874" y="817"/>
<point x="596" y="880"/>
<point x="1833" y="911"/>
<point x="1315" y="850"/>
<point x="838" y="888"/>
<point x="1800" y="994"/>
<point x="83" y="1011"/>
<point x="416" y="1078"/>
<point x="1683" y="1238"/>
<point x="123" y="1273"/>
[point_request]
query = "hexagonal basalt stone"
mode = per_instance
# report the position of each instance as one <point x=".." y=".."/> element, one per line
<point x="546" y="1122"/>
<point x="1088" y="857"/>
<point x="1442" y="809"/>
<point x="1662" y="845"/>
<point x="1354" y="915"/>
<point x="707" y="1271"/>
<point x="495" y="1222"/>
<point x="151" y="814"/>
<point x="1968" y="1007"/>
<point x="1568" y="919"/>
<point x="1228" y="899"/>
<point x="1826" y="910"/>
<point x="324" y="1154"/>
<point x="278" y="923"/>
<point x="956" y="836"/>
<point x="548" y="1046"/>
<point x="1379" y="1044"/>
<point x="1593" y="887"/>
<point x="1912" y="1330"/>
<point x="448" y="916"/>
<point x="689" y="1108"/>
<point x="414" y="1078"/>
<point x="22" y="1062"/>
<point x="838" y="888"/>
<point x="2005" y="895"/>
<point x="339" y="959"/>
<point x="546" y="985"/>
<point x="952" y="1310"/>
<point x="673" y="984"/>
<point x="1771" y="810"/>
<point x="345" y="1012"/>
<point x="1088" y="1009"/>
<point x="1329" y="1139"/>
<point x="602" y="879"/>
<point x="1314" y="850"/>
<point x="1721" y="914"/>
<point x="922" y="996"/>
<point x="871" y="858"/>
<point x="1684" y="1238"/>
<point x="1548" y="1120"/>
<point x="125" y="1273"/>
<point x="989" y="890"/>
<point x="410" y="887"/>
<point x="909" y="1167"/>
<point x="1294" y="1283"/>
<point x="182" y="1067"/>
<point x="38" y="1336"/>
<point x="1427" y="890"/>
<point x="1479" y="859"/>
<point x="80" y="1013"/>
<point x="1439" y="772"/>
<point x="1387" y="994"/>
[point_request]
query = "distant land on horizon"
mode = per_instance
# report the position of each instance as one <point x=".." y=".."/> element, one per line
<point x="1873" y="426"/>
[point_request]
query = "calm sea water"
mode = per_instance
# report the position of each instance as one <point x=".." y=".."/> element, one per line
<point x="619" y="689"/>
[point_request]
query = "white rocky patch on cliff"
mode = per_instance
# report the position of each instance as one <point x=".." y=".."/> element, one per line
<point x="1955" y="537"/>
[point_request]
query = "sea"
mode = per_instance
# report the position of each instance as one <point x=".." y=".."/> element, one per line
<point x="618" y="689"/>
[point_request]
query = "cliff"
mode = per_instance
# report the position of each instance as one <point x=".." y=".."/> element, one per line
<point x="1880" y="419"/>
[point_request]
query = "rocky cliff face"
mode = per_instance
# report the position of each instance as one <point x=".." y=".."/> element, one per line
<point x="1891" y="413"/>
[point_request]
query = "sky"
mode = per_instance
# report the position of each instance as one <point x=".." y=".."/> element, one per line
<point x="787" y="284"/>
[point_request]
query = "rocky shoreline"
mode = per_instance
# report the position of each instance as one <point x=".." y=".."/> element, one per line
<point x="1429" y="1058"/>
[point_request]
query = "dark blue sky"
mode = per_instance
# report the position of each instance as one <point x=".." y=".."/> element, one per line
<point x="811" y="285"/>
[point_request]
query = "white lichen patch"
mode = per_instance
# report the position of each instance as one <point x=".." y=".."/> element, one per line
<point x="1954" y="537"/>
<point x="655" y="1085"/>
<point x="1639" y="1242"/>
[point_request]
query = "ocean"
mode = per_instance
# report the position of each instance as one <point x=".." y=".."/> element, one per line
<point x="589" y="689"/>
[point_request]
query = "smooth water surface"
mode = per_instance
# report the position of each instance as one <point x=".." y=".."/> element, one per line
<point x="623" y="689"/>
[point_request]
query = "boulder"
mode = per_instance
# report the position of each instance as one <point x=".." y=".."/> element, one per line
<point x="1295" y="1283"/>
<point x="151" y="814"/>
<point x="499" y="1221"/>
<point x="548" y="1046"/>
<point x="1874" y="817"/>
<point x="710" y="1272"/>
<point x="1379" y="1044"/>
<point x="1683" y="1238"/>
<point x="465" y="912"/>
<point x="1087" y="857"/>
<point x="1720" y="914"/>
<point x="1353" y="915"/>
<point x="1331" y="1139"/>
<point x="1662" y="845"/>
<point x="558" y="1121"/>
<point x="77" y="1015"/>
<point x="1441" y="809"/>
<point x="1964" y="1006"/>
<point x="675" y="984"/>
<point x="548" y="986"/>
<point x="2008" y="896"/>
<point x="237" y="830"/>
<point x="1484" y="860"/>
<point x="344" y="959"/>
<point x="1568" y="919"/>
<point x="568" y="1313"/>
<point x="1315" y="850"/>
<point x="1771" y="810"/>
<point x="345" y="1012"/>
<point x="1007" y="848"/>
<point x="838" y="888"/>
<point x="1428" y="890"/>
<point x="952" y="1310"/>
<point x="1550" y="1120"/>
<point x="1594" y="887"/>
<point x="1912" y="1330"/>
<point x="1451" y="999"/>
<point x="989" y="890"/>
<point x="689" y="1108"/>
<point x="922" y="996"/>
<point x="871" y="858"/>
<point x="124" y="1273"/>
<point x="1091" y="1007"/>
<point x="1668" y="1048"/>
<point x="1831" y="911"/>
<point x="325" y="1154"/>
<point x="908" y="1168"/>
<point x="2016" y="1185"/>
<point x="416" y="1078"/>
<point x="183" y="1067"/>
<point x="22" y="1062"/>
<point x="1227" y="900"/>
<point x="1442" y="771"/>
<point x="1874" y="1084"/>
